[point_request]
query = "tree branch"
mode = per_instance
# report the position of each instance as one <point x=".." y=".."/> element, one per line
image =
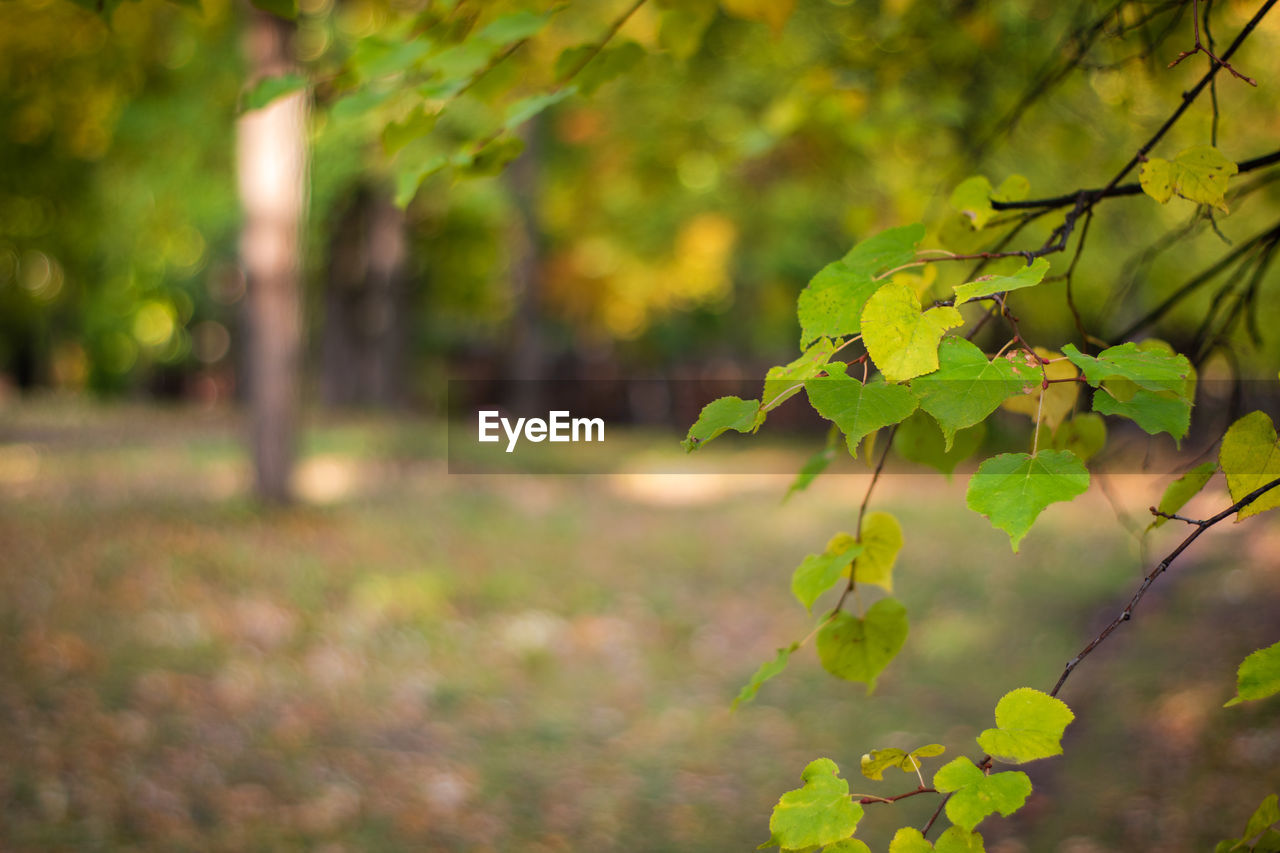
<point x="1095" y="195"/>
<point x="1127" y="613"/>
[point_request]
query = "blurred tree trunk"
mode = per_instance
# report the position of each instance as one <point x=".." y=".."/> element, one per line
<point x="271" y="163"/>
<point x="366" y="310"/>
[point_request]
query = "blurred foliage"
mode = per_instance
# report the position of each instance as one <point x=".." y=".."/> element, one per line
<point x="688" y="180"/>
<point x="116" y="208"/>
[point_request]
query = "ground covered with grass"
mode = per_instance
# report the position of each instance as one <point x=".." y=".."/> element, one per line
<point x="418" y="660"/>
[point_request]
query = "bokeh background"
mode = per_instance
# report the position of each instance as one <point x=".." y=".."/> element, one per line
<point x="405" y="658"/>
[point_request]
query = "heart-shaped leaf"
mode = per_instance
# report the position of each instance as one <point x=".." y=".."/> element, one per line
<point x="1029" y="725"/>
<point x="819" y="813"/>
<point x="1250" y="457"/>
<point x="902" y="341"/>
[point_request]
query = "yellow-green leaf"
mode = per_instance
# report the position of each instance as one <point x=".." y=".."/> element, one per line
<point x="785" y="381"/>
<point x="902" y="341"/>
<point x="974" y="794"/>
<point x="819" y="813"/>
<point x="1250" y="457"/>
<point x="819" y="572"/>
<point x="859" y="649"/>
<point x="767" y="670"/>
<point x="1029" y="725"/>
<point x="972" y="198"/>
<point x="1012" y="188"/>
<point x="877" y="761"/>
<point x="1028" y="276"/>
<point x="1258" y="675"/>
<point x="1199" y="174"/>
<point x="723" y="414"/>
<point x="881" y="541"/>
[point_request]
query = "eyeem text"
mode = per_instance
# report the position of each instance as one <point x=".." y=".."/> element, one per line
<point x="558" y="426"/>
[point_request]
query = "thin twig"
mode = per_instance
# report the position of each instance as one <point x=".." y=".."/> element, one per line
<point x="1127" y="613"/>
<point x="1200" y="48"/>
<point x="862" y="511"/>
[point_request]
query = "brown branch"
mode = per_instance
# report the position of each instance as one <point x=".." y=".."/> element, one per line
<point x="868" y="799"/>
<point x="1269" y="236"/>
<point x="932" y="820"/>
<point x="1127" y="613"/>
<point x="1095" y="195"/>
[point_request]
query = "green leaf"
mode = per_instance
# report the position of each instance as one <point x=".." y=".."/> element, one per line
<point x="410" y="172"/>
<point x="269" y="89"/>
<point x="1154" y="411"/>
<point x="819" y="813"/>
<point x="1250" y="457"/>
<point x="526" y="108"/>
<point x="287" y="9"/>
<point x="988" y="285"/>
<point x="376" y="57"/>
<point x="767" y="670"/>
<point x="601" y="67"/>
<point x="681" y="28"/>
<point x="972" y="198"/>
<point x="1012" y="188"/>
<point x="974" y="794"/>
<point x="1029" y="726"/>
<point x="859" y="409"/>
<point x="1258" y="676"/>
<point x="1012" y="489"/>
<point x="957" y="839"/>
<point x="815" y="465"/>
<point x="397" y="134"/>
<point x="1268" y="842"/>
<point x="859" y="649"/>
<point x="1184" y="489"/>
<point x="918" y="439"/>
<point x="783" y="382"/>
<point x="847" y="845"/>
<point x="720" y="415"/>
<point x="819" y="572"/>
<point x="877" y="761"/>
<point x="1084" y="435"/>
<point x="901" y="340"/>
<point x="493" y="157"/>
<point x="881" y="541"/>
<point x="1152" y="368"/>
<point x="1263" y="817"/>
<point x="831" y="304"/>
<point x="886" y="250"/>
<point x="908" y="839"/>
<point x="360" y="102"/>
<point x="967" y="386"/>
<point x="1199" y="174"/>
<point x="460" y="63"/>
<point x="515" y="26"/>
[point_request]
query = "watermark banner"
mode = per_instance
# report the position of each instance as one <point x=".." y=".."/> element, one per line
<point x="601" y="426"/>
